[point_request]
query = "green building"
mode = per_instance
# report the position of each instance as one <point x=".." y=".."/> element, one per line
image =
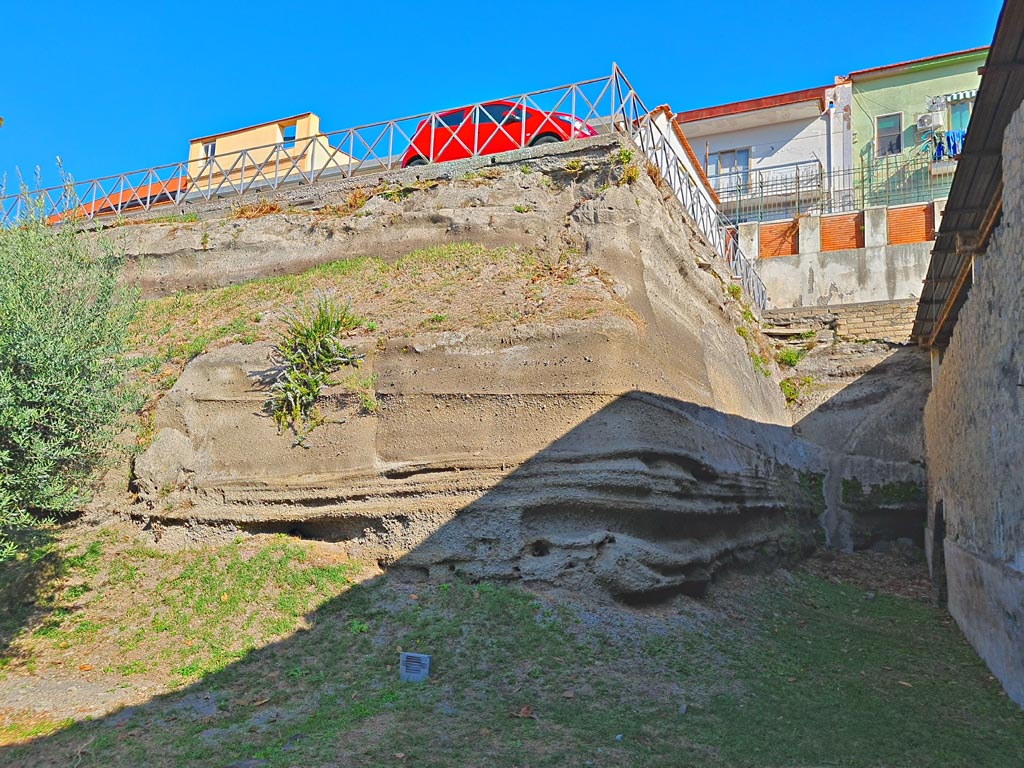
<point x="909" y="122"/>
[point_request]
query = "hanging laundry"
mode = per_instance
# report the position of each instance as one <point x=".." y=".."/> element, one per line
<point x="955" y="142"/>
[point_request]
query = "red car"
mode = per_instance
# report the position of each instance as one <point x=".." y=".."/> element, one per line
<point x="497" y="126"/>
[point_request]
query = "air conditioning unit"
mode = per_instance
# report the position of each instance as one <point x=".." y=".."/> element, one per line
<point x="929" y="121"/>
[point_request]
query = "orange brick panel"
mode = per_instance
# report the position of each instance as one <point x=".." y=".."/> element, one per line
<point x="842" y="232"/>
<point x="911" y="224"/>
<point x="779" y="239"/>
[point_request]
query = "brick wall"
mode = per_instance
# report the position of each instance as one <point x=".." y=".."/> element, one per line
<point x="911" y="223"/>
<point x="874" y="320"/>
<point x="779" y="239"/>
<point x="842" y="231"/>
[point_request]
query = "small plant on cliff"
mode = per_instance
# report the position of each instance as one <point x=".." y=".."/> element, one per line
<point x="263" y="207"/>
<point x="630" y="175"/>
<point x="735" y="291"/>
<point x="310" y="349"/>
<point x="64" y="319"/>
<point x="760" y="365"/>
<point x="789" y="357"/>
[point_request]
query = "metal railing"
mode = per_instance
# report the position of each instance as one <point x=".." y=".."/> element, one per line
<point x="656" y="137"/>
<point x="603" y="104"/>
<point x="591" y="107"/>
<point x="784" y="192"/>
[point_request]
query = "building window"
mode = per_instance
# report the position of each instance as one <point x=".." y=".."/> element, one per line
<point x="729" y="170"/>
<point x="889" y="133"/>
<point x="288" y="135"/>
<point x="209" y="151"/>
<point x="959" y="115"/>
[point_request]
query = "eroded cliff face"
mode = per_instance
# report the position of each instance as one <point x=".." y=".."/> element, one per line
<point x="638" y="451"/>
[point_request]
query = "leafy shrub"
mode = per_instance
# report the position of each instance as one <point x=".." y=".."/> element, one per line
<point x="64" y="320"/>
<point x="310" y="349"/>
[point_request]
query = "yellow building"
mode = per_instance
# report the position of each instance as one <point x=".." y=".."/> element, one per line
<point x="283" y="150"/>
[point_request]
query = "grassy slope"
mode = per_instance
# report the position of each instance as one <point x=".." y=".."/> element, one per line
<point x="449" y="287"/>
<point x="800" y="672"/>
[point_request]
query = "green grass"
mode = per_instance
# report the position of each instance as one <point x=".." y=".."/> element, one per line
<point x="301" y="666"/>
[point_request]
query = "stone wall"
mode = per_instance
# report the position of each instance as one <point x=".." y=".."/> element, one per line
<point x="974" y="436"/>
<point x="890" y="321"/>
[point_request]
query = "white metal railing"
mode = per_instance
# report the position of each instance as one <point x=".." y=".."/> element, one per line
<point x="602" y="105"/>
<point x="656" y="137"/>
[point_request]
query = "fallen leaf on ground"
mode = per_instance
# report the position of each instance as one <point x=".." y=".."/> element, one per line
<point x="525" y="712"/>
<point x="568" y="695"/>
<point x="261" y="702"/>
<point x="85" y="667"/>
<point x="904" y="682"/>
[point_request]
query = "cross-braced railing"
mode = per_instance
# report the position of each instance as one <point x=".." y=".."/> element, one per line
<point x="662" y="144"/>
<point x="579" y="110"/>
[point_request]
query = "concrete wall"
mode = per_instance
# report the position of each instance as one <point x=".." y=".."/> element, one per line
<point x="817" y="268"/>
<point x="879" y="273"/>
<point x="974" y="437"/>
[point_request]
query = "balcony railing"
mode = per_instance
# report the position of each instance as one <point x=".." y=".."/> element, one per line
<point x="784" y="192"/>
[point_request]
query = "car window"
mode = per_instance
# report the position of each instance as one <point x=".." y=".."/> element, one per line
<point x="450" y="119"/>
<point x="491" y="113"/>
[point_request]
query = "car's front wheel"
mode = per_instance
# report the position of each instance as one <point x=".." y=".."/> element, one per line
<point x="416" y="161"/>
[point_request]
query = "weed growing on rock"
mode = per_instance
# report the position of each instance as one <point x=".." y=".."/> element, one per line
<point x="794" y="388"/>
<point x="735" y="291"/>
<point x="789" y="357"/>
<point x="654" y="173"/>
<point x="310" y="349"/>
<point x="264" y="207"/>
<point x="521" y="208"/>
<point x="574" y="168"/>
<point x="760" y="365"/>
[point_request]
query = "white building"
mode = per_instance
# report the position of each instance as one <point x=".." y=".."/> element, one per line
<point x="771" y="157"/>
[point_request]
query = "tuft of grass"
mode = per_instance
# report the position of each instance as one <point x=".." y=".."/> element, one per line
<point x="522" y="208"/>
<point x="789" y="357"/>
<point x="365" y="388"/>
<point x="263" y="207"/>
<point x="735" y="291"/>
<point x="794" y="388"/>
<point x="760" y="365"/>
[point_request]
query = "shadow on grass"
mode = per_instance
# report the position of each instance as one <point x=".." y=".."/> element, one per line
<point x="525" y="680"/>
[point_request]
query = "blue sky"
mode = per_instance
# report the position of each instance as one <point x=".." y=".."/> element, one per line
<point x="113" y="87"/>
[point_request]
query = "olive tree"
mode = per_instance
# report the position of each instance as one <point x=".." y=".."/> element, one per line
<point x="64" y="319"/>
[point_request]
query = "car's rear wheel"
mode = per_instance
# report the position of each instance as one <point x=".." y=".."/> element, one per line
<point x="416" y="161"/>
<point x="545" y="138"/>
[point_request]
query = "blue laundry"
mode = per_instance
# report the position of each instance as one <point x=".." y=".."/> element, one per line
<point x="955" y="142"/>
